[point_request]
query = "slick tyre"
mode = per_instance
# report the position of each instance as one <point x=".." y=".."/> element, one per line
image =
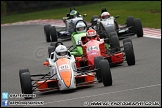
<point x="97" y="66"/>
<point x="26" y="84"/>
<point x="114" y="43"/>
<point x="20" y="72"/>
<point x="47" y="33"/>
<point x="112" y="34"/>
<point x="53" y="34"/>
<point x="130" y="23"/>
<point x="127" y="40"/>
<point x="105" y="73"/>
<point x="129" y="53"/>
<point x="138" y="27"/>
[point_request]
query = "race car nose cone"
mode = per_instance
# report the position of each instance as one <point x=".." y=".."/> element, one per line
<point x="67" y="82"/>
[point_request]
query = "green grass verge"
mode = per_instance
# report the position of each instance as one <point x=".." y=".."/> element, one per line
<point x="148" y="11"/>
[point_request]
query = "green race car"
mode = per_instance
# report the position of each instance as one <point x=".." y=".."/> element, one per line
<point x="76" y="41"/>
<point x="80" y="31"/>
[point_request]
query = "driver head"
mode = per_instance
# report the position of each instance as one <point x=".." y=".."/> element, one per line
<point x="81" y="27"/>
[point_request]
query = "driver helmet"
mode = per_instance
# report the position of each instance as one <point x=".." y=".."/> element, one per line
<point x="80" y="27"/>
<point x="61" y="51"/>
<point x="73" y="14"/>
<point x="91" y="33"/>
<point x="105" y="15"/>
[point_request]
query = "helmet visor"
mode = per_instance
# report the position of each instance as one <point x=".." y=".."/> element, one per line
<point x="92" y="36"/>
<point x="80" y="28"/>
<point x="106" y="16"/>
<point x="62" y="53"/>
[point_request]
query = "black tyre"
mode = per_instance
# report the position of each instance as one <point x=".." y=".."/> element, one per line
<point x="106" y="73"/>
<point x="127" y="40"/>
<point x="53" y="34"/>
<point x="138" y="27"/>
<point x="114" y="44"/>
<point x="20" y="72"/>
<point x="50" y="49"/>
<point x="47" y="32"/>
<point x="93" y="21"/>
<point x="97" y="66"/>
<point x="111" y="34"/>
<point x="129" y="53"/>
<point x="26" y="84"/>
<point x="130" y="23"/>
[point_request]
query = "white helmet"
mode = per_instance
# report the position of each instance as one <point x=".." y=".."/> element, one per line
<point x="105" y="15"/>
<point x="80" y="27"/>
<point x="61" y="51"/>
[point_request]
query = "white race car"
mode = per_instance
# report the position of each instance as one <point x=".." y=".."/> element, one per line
<point x="64" y="73"/>
<point x="105" y="27"/>
<point x="52" y="35"/>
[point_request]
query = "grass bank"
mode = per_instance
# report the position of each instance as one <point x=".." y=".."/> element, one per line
<point x="148" y="11"/>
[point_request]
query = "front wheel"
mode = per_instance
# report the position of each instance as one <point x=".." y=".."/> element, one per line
<point x="127" y="40"/>
<point x="20" y="72"/>
<point x="106" y="73"/>
<point x="97" y="66"/>
<point x="26" y="84"/>
<point x="129" y="53"/>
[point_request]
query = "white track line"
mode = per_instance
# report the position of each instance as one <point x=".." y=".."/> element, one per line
<point x="70" y="99"/>
<point x="106" y="93"/>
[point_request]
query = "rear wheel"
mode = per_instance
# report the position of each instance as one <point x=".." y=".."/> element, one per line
<point x="26" y="84"/>
<point x="47" y="32"/>
<point x="53" y="33"/>
<point x="138" y="27"/>
<point x="106" y="73"/>
<point x="129" y="53"/>
<point x="130" y="23"/>
<point x="114" y="44"/>
<point x="112" y="34"/>
<point x="97" y="66"/>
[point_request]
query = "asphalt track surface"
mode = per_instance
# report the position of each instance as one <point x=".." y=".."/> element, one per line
<point x="24" y="46"/>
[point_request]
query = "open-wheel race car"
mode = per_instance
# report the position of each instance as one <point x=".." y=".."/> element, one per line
<point x="94" y="50"/>
<point x="63" y="74"/>
<point x="52" y="35"/>
<point x="80" y="30"/>
<point x="106" y="24"/>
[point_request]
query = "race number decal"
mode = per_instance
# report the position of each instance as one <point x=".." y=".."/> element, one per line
<point x="79" y="42"/>
<point x="64" y="67"/>
<point x="92" y="48"/>
<point x="108" y="22"/>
